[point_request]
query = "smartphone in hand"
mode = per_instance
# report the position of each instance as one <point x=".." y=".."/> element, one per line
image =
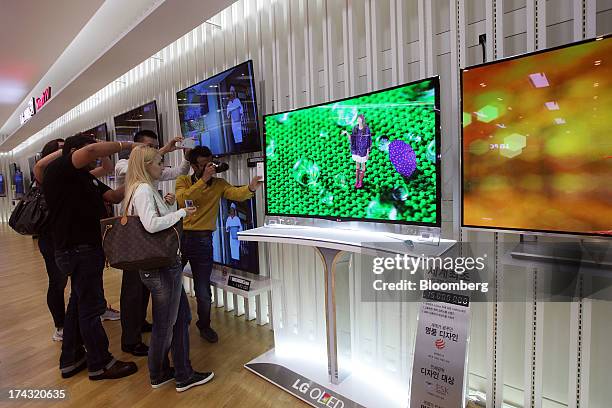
<point x="260" y="170"/>
<point x="187" y="143"/>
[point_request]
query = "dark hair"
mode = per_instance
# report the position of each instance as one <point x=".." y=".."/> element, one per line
<point x="362" y="118"/>
<point x="76" y="142"/>
<point x="51" y="147"/>
<point x="141" y="134"/>
<point x="198" y="151"/>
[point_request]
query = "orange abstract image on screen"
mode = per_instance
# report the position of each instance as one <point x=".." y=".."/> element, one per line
<point x="537" y="141"/>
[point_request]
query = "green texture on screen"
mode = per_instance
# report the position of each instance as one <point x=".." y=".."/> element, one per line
<point x="310" y="171"/>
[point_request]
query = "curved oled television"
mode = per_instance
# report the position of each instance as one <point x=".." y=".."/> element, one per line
<point x="140" y="118"/>
<point x="536" y="145"/>
<point x="372" y="157"/>
<point x="221" y="112"/>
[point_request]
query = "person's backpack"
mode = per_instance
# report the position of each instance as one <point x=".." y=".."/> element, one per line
<point x="31" y="213"/>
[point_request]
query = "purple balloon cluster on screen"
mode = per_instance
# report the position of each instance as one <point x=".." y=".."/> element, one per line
<point x="402" y="157"/>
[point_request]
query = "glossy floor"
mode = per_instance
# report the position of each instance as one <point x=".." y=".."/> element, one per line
<point x="29" y="359"/>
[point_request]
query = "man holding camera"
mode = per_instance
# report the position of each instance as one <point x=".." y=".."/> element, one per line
<point x="203" y="191"/>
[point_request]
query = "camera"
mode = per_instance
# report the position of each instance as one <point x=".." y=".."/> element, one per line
<point x="220" y="167"/>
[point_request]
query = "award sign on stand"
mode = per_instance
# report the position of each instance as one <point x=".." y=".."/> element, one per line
<point x="438" y="371"/>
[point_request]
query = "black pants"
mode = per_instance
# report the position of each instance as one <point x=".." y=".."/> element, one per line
<point x="83" y="329"/>
<point x="57" y="281"/>
<point x="133" y="307"/>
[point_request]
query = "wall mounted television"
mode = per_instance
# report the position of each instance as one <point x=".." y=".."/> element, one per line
<point x="536" y="145"/>
<point x="2" y="186"/>
<point x="99" y="132"/>
<point x="228" y="251"/>
<point x="140" y="118"/>
<point x="221" y="112"/>
<point x="313" y="155"/>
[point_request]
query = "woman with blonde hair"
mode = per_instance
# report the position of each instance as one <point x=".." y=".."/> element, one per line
<point x="171" y="313"/>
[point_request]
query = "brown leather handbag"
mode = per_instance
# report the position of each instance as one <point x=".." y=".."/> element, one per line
<point x="129" y="246"/>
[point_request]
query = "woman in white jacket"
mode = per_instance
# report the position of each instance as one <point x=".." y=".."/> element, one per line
<point x="171" y="313"/>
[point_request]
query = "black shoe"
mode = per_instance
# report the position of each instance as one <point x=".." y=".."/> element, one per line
<point x="164" y="380"/>
<point x="139" y="350"/>
<point x="118" y="370"/>
<point x="146" y="327"/>
<point x="79" y="366"/>
<point x="195" y="380"/>
<point x="209" y="335"/>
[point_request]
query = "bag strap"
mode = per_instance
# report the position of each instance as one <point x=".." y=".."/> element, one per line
<point x="127" y="207"/>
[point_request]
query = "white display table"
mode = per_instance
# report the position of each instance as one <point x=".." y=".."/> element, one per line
<point x="329" y="244"/>
<point x="258" y="285"/>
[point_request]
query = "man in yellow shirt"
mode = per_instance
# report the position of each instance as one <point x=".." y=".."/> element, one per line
<point x="205" y="191"/>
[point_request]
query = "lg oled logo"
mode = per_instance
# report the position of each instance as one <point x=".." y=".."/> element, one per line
<point x="317" y="395"/>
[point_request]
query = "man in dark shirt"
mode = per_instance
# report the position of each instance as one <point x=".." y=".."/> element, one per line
<point x="76" y="204"/>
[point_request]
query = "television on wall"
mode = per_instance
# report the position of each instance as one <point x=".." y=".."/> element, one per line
<point x="99" y="132"/>
<point x="18" y="182"/>
<point x="315" y="157"/>
<point x="2" y="186"/>
<point x="236" y="216"/>
<point x="221" y="112"/>
<point x="536" y="145"/>
<point x="140" y="118"/>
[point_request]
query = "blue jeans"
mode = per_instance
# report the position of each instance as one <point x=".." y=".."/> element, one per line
<point x="82" y="326"/>
<point x="197" y="249"/>
<point x="171" y="318"/>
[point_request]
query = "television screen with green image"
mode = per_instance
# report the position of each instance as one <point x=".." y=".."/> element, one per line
<point x="371" y="157"/>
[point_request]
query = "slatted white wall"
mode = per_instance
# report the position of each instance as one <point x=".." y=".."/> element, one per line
<point x="310" y="51"/>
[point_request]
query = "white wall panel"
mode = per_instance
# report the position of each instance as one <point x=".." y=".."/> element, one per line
<point x="312" y="51"/>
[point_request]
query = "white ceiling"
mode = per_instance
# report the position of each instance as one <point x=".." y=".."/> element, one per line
<point x="33" y="34"/>
<point x="118" y="37"/>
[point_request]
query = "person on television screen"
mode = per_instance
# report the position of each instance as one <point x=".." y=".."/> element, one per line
<point x="361" y="145"/>
<point x="235" y="114"/>
<point x="233" y="226"/>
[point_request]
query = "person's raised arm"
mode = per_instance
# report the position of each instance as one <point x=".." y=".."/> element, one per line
<point x="114" y="196"/>
<point x="171" y="145"/>
<point x="41" y="165"/>
<point x="103" y="170"/>
<point x="94" y="151"/>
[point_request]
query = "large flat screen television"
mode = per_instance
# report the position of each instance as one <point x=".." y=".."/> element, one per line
<point x="221" y="112"/>
<point x="99" y="132"/>
<point x="228" y="251"/>
<point x="536" y="145"/>
<point x="141" y="118"/>
<point x="2" y="186"/>
<point x="316" y="156"/>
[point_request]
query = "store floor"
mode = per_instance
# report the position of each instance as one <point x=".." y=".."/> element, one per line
<point x="29" y="359"/>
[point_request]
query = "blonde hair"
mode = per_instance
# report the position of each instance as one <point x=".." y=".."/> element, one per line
<point x="137" y="173"/>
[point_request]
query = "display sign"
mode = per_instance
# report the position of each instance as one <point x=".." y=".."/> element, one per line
<point x="34" y="105"/>
<point x="239" y="283"/>
<point x="29" y="111"/>
<point x="438" y="371"/>
<point x="44" y="98"/>
<point x="301" y="387"/>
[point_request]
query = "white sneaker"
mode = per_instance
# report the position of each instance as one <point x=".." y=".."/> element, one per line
<point x="110" y="314"/>
<point x="58" y="335"/>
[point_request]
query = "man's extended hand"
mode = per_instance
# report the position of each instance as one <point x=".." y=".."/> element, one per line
<point x="255" y="183"/>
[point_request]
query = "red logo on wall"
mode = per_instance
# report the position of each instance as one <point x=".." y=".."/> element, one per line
<point x="46" y="95"/>
<point x="440" y="344"/>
